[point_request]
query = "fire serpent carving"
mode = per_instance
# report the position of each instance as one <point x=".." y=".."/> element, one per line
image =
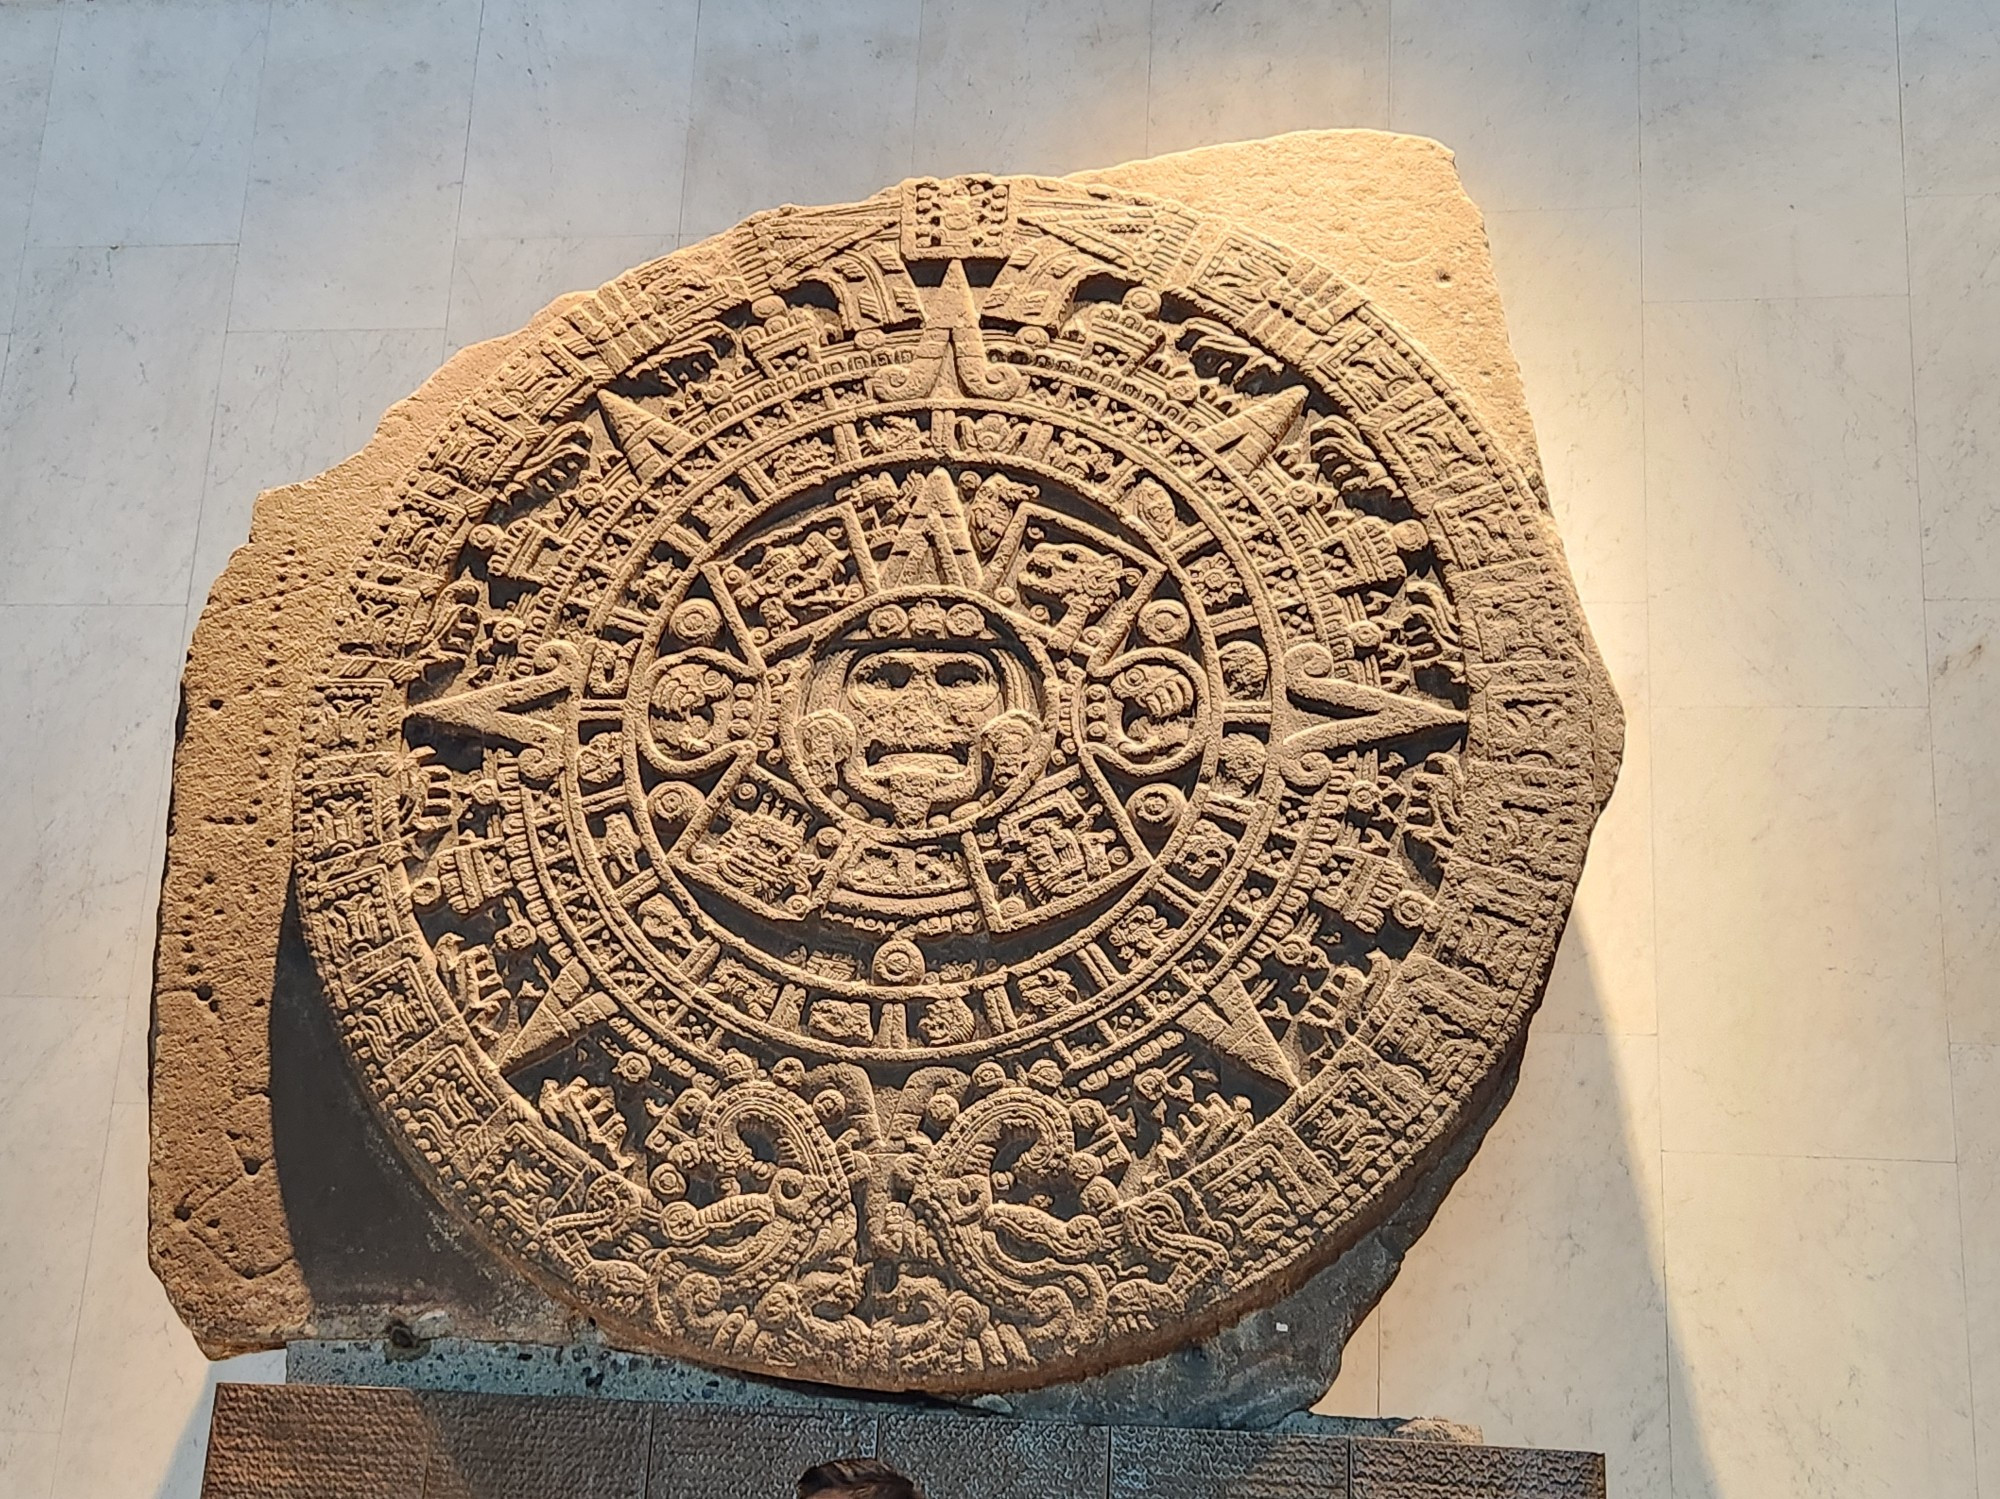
<point x="947" y="792"/>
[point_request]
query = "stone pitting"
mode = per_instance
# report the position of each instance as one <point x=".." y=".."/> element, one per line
<point x="949" y="792"/>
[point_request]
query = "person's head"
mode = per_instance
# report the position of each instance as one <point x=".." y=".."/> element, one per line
<point x="855" y="1478"/>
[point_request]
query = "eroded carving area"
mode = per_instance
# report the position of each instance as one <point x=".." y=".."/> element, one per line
<point x="947" y="792"/>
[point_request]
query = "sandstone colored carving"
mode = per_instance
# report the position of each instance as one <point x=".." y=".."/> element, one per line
<point x="942" y="793"/>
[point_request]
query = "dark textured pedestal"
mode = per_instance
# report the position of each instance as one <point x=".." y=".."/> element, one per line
<point x="333" y="1442"/>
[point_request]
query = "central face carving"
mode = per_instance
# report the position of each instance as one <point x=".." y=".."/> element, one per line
<point x="918" y="716"/>
<point x="922" y="713"/>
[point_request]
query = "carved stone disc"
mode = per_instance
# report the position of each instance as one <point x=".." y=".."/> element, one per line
<point x="948" y="792"/>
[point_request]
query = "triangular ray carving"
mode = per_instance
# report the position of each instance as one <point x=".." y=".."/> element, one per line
<point x="648" y="441"/>
<point x="934" y="545"/>
<point x="1227" y="1019"/>
<point x="1253" y="434"/>
<point x="1351" y="714"/>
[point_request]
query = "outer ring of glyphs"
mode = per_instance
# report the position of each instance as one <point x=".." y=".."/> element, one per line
<point x="810" y="646"/>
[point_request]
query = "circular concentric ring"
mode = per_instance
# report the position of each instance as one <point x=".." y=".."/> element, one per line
<point x="947" y="792"/>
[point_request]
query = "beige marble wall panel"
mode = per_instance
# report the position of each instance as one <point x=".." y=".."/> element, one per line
<point x="141" y="1391"/>
<point x="1544" y="98"/>
<point x="1772" y="148"/>
<point x="615" y="72"/>
<point x="498" y="284"/>
<point x="105" y="463"/>
<point x="173" y="93"/>
<point x="1555" y="1228"/>
<point x="1975" y="1080"/>
<point x="795" y="101"/>
<point x="1818" y="1329"/>
<point x="1955" y="345"/>
<point x="27" y="61"/>
<point x="1604" y="975"/>
<point x="86" y="721"/>
<point x="1248" y="68"/>
<point x="1570" y="282"/>
<point x="1781" y="504"/>
<point x="357" y="165"/>
<point x="1949" y="56"/>
<point x="1800" y="985"/>
<point x="1041" y="86"/>
<point x="55" y="1096"/>
<point x="290" y="405"/>
<point x="1965" y="758"/>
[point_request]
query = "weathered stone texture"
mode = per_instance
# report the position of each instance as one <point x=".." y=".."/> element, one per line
<point x="947" y="793"/>
<point x="1051" y="1459"/>
<point x="276" y="1442"/>
<point x="1442" y="1470"/>
<point x="1225" y="1465"/>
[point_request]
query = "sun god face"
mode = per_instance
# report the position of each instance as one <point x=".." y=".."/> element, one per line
<point x="918" y="720"/>
<point x="919" y="711"/>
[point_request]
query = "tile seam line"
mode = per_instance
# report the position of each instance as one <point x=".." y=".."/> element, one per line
<point x="1843" y="296"/>
<point x="234" y="329"/>
<point x="464" y="164"/>
<point x="138" y="244"/>
<point x="1930" y="760"/>
<point x="90" y="1257"/>
<point x="243" y="199"/>
<point x="1546" y="209"/>
<point x="221" y="363"/>
<point x="1656" y="707"/>
<point x="687" y="135"/>
<point x="916" y="86"/>
<point x="35" y="192"/>
<point x="1152" y="45"/>
<point x="1667" y="1354"/>
<point x="1805" y="1155"/>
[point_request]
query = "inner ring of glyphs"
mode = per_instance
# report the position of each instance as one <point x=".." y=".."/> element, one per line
<point x="947" y="792"/>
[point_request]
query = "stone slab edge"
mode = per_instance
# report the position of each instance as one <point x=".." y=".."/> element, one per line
<point x="291" y="1440"/>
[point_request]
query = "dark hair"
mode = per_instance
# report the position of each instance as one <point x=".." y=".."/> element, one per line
<point x="856" y="1478"/>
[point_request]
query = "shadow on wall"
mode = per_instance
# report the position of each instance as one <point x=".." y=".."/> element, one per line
<point x="1536" y="1306"/>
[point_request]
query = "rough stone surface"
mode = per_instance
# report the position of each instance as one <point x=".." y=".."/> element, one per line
<point x="1051" y="1459"/>
<point x="601" y="1373"/>
<point x="274" y="1440"/>
<point x="746" y="1452"/>
<point x="945" y="793"/>
<point x="1225" y="1464"/>
<point x="481" y="1448"/>
<point x="1442" y="1470"/>
<point x="299" y="1440"/>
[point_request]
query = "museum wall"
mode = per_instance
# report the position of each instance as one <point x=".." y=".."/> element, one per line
<point x="1740" y="1226"/>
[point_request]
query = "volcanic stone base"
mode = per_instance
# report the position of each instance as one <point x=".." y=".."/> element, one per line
<point x="331" y="1442"/>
